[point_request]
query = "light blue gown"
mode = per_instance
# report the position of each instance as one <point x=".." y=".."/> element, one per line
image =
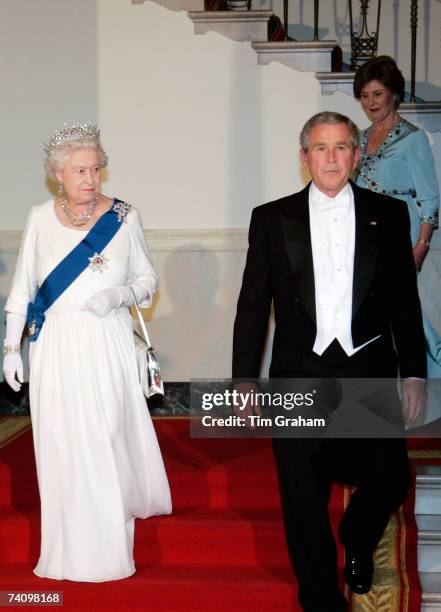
<point x="403" y="167"/>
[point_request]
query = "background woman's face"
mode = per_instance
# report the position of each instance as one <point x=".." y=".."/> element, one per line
<point x="377" y="101"/>
<point x="81" y="176"/>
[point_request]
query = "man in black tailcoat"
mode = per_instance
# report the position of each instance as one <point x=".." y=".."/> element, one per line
<point x="336" y="262"/>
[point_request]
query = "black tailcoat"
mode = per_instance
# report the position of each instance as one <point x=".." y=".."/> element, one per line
<point x="279" y="269"/>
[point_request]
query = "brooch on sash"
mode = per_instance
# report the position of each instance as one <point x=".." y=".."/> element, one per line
<point x="122" y="209"/>
<point x="98" y="262"/>
<point x="32" y="328"/>
<point x="34" y="318"/>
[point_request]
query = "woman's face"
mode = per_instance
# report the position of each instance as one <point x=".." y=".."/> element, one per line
<point x="377" y="101"/>
<point x="81" y="176"/>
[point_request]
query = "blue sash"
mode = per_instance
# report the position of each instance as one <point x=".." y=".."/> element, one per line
<point x="64" y="274"/>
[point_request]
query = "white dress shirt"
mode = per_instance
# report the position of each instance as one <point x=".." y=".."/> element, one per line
<point x="332" y="223"/>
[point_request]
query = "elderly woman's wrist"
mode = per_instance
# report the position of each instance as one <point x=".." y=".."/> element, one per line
<point x="143" y="294"/>
<point x="10" y="347"/>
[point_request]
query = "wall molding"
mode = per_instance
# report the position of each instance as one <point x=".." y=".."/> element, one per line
<point x="185" y="240"/>
<point x="191" y="240"/>
<point x="197" y="240"/>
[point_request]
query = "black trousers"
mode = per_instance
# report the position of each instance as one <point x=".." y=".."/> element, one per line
<point x="306" y="468"/>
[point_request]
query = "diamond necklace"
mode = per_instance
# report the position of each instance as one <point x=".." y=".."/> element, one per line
<point x="82" y="218"/>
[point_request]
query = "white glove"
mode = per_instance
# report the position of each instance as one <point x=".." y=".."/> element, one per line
<point x="106" y="300"/>
<point x="12" y="363"/>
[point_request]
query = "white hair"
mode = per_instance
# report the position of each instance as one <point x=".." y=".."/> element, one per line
<point x="57" y="157"/>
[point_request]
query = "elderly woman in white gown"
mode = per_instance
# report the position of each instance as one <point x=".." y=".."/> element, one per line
<point x="98" y="461"/>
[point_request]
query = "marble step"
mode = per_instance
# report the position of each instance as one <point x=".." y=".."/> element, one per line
<point x="425" y="114"/>
<point x="428" y="489"/>
<point x="431" y="587"/>
<point x="178" y="5"/>
<point x="336" y="81"/>
<point x="313" y="56"/>
<point x="429" y="542"/>
<point x="237" y="25"/>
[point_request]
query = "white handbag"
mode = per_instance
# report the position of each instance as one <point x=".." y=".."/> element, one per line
<point x="146" y="359"/>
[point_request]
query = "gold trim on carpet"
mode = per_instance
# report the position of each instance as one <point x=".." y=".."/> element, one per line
<point x="425" y="454"/>
<point x="387" y="589"/>
<point x="13" y="426"/>
<point x="175" y="417"/>
<point x="385" y="593"/>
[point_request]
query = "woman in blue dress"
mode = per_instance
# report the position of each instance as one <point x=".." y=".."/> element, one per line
<point x="396" y="159"/>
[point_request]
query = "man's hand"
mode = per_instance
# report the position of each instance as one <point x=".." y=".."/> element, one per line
<point x="414" y="399"/>
<point x="247" y="404"/>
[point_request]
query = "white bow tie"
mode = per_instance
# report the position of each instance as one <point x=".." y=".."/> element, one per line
<point x="324" y="203"/>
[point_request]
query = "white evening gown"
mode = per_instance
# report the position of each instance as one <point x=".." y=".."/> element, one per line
<point x="98" y="461"/>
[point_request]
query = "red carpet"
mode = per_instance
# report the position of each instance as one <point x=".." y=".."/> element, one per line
<point x="223" y="548"/>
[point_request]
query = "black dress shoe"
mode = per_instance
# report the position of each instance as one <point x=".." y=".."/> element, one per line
<point x="359" y="571"/>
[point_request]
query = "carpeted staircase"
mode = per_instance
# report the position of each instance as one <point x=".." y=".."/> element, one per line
<point x="221" y="550"/>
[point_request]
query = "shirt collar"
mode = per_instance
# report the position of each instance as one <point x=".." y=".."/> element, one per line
<point x="322" y="202"/>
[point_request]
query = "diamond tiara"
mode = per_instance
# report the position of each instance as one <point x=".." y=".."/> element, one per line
<point x="77" y="131"/>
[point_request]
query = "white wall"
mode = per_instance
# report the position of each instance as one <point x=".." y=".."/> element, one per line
<point x="48" y="76"/>
<point x="197" y="132"/>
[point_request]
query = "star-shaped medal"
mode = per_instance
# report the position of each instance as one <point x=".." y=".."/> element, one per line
<point x="98" y="262"/>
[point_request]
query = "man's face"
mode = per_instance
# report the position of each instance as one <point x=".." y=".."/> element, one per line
<point x="330" y="157"/>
